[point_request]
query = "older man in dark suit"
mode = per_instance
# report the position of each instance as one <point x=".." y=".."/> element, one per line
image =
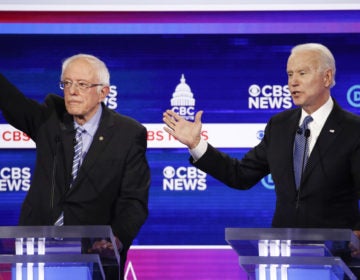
<point x="325" y="194"/>
<point x="111" y="185"/>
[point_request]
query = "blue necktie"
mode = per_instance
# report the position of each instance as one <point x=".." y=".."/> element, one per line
<point x="301" y="149"/>
<point x="77" y="152"/>
<point x="76" y="165"/>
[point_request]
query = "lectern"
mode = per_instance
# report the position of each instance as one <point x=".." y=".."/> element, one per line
<point x="52" y="252"/>
<point x="293" y="253"/>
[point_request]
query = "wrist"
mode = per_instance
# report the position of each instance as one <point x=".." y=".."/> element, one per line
<point x="195" y="143"/>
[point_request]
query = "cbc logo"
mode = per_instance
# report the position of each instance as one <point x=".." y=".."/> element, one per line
<point x="187" y="112"/>
<point x="183" y="178"/>
<point x="268" y="182"/>
<point x="353" y="96"/>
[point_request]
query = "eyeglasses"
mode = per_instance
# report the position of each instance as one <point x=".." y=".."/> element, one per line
<point x="80" y="85"/>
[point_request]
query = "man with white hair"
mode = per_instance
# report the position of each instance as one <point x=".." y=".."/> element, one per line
<point x="312" y="151"/>
<point x="101" y="179"/>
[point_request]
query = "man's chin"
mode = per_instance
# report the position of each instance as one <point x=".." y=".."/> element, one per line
<point x="297" y="101"/>
<point x="74" y="112"/>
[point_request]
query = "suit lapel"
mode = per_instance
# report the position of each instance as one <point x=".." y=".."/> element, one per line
<point x="100" y="141"/>
<point x="327" y="138"/>
<point x="67" y="136"/>
<point x="292" y="128"/>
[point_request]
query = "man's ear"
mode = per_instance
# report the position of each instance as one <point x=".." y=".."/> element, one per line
<point x="104" y="92"/>
<point x="328" y="78"/>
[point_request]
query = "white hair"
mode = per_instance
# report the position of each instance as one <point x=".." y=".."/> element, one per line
<point x="102" y="71"/>
<point x="327" y="60"/>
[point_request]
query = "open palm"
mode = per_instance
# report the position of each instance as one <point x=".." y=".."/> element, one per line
<point x="184" y="131"/>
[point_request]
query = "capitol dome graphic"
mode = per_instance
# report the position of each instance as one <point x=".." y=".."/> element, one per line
<point x="182" y="95"/>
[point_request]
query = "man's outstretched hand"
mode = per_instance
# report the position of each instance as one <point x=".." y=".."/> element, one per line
<point x="188" y="133"/>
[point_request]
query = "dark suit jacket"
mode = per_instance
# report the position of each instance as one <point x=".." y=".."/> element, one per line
<point x="328" y="195"/>
<point x="113" y="182"/>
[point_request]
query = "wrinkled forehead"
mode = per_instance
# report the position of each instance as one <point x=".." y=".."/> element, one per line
<point x="79" y="69"/>
<point x="302" y="60"/>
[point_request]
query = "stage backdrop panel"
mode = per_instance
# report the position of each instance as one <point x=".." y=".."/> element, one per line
<point x="239" y="80"/>
<point x="235" y="72"/>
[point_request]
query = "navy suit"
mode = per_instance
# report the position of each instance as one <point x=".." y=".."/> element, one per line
<point x="329" y="193"/>
<point x="112" y="185"/>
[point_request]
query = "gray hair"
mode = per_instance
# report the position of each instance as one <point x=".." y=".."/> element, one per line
<point x="102" y="71"/>
<point x="327" y="60"/>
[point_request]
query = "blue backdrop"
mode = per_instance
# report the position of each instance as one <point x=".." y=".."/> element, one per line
<point x="220" y="69"/>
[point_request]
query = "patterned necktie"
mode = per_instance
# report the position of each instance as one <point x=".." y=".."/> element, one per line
<point x="76" y="165"/>
<point x="77" y="152"/>
<point x="301" y="149"/>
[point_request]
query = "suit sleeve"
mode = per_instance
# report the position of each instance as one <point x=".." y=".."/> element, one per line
<point x="355" y="163"/>
<point x="236" y="173"/>
<point x="132" y="204"/>
<point x="21" y="112"/>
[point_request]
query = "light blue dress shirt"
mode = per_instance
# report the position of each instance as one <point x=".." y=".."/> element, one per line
<point x="90" y="127"/>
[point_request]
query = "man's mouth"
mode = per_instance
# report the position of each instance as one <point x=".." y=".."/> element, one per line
<point x="73" y="101"/>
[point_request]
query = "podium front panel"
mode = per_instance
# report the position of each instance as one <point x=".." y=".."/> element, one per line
<point x="40" y="252"/>
<point x="293" y="253"/>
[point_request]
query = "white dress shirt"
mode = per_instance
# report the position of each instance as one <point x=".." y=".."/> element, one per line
<point x="319" y="118"/>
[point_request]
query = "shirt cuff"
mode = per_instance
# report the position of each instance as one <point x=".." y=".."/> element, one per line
<point x="199" y="150"/>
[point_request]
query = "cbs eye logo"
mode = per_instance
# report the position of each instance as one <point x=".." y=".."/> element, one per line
<point x="268" y="182"/>
<point x="260" y="134"/>
<point x="254" y="90"/>
<point x="169" y="172"/>
<point x="183" y="178"/>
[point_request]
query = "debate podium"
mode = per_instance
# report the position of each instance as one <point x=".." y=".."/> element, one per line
<point x="293" y="253"/>
<point x="54" y="252"/>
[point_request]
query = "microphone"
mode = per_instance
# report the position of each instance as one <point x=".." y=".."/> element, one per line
<point x="299" y="130"/>
<point x="307" y="133"/>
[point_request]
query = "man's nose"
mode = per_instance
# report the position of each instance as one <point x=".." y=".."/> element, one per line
<point x="74" y="88"/>
<point x="293" y="81"/>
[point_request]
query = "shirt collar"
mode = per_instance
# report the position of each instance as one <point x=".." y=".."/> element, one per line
<point x="321" y="114"/>
<point x="91" y="125"/>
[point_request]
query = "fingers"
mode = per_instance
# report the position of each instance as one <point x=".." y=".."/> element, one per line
<point x="169" y="114"/>
<point x="355" y="254"/>
<point x="169" y="122"/>
<point x="169" y="130"/>
<point x="177" y="124"/>
<point x="171" y="118"/>
<point x="170" y="126"/>
<point x="102" y="245"/>
<point x="198" y="116"/>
